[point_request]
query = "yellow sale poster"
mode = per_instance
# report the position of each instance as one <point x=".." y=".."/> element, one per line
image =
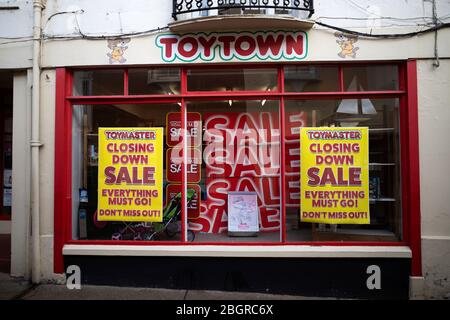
<point x="130" y="174"/>
<point x="334" y="175"/>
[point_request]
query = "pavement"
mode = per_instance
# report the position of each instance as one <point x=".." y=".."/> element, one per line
<point x="11" y="288"/>
<point x="19" y="289"/>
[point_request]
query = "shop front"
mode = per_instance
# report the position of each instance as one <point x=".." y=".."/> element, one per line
<point x="238" y="161"/>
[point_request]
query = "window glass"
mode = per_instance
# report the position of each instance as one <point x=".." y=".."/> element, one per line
<point x="371" y="78"/>
<point x="240" y="171"/>
<point x="304" y="78"/>
<point x="382" y="118"/>
<point x="222" y="79"/>
<point x="86" y="122"/>
<point x="98" y="83"/>
<point x="154" y="81"/>
<point x="234" y="151"/>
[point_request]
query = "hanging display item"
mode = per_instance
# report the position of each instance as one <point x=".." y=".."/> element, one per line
<point x="130" y="175"/>
<point x="334" y="175"/>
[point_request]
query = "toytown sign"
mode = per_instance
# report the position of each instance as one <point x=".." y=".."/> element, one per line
<point x="238" y="46"/>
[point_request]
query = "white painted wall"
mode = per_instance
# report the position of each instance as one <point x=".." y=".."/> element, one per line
<point x="116" y="16"/>
<point x="16" y="23"/>
<point x="380" y="13"/>
<point x="434" y="119"/>
<point x="47" y="177"/>
<point x="20" y="224"/>
<point x="110" y="17"/>
<point x="72" y="19"/>
<point x="106" y="17"/>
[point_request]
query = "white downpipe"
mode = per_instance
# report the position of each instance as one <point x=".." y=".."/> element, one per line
<point x="36" y="144"/>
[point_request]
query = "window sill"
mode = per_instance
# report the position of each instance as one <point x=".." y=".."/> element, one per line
<point x="282" y="251"/>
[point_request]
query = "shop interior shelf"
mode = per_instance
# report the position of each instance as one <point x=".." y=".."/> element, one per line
<point x="381" y="130"/>
<point x="382" y="200"/>
<point x="349" y="234"/>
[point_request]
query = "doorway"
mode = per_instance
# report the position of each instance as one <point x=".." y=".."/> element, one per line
<point x="6" y="114"/>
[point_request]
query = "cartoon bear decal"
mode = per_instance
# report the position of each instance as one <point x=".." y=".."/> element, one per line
<point x="346" y="42"/>
<point x="118" y="47"/>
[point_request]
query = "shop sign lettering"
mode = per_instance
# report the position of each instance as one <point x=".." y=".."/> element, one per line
<point x="233" y="46"/>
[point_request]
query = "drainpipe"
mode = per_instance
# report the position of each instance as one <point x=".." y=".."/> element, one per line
<point x="35" y="144"/>
<point x="436" y="62"/>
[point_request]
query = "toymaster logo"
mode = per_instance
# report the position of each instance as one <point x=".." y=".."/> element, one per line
<point x="242" y="46"/>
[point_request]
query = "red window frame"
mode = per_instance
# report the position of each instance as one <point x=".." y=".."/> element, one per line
<point x="406" y="93"/>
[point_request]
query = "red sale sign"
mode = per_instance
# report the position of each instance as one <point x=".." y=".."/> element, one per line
<point x="174" y="165"/>
<point x="194" y="204"/>
<point x="193" y="129"/>
<point x="294" y="121"/>
<point x="242" y="152"/>
<point x="242" y="144"/>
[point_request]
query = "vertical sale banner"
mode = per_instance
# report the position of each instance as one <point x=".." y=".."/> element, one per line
<point x="193" y="129"/>
<point x="335" y="175"/>
<point x="130" y="174"/>
<point x="194" y="204"/>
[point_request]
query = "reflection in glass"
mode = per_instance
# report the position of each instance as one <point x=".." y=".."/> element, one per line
<point x="98" y="82"/>
<point x="245" y="79"/>
<point x="310" y="78"/>
<point x="351" y="112"/>
<point x="154" y="81"/>
<point x="371" y="78"/>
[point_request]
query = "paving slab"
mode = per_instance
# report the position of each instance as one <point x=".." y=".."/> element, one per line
<point x="12" y="287"/>
<point x="16" y="288"/>
<point x="228" y="295"/>
<point x="234" y="295"/>
<point x="88" y="292"/>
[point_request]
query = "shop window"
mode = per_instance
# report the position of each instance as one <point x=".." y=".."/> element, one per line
<point x="86" y="121"/>
<point x="243" y="79"/>
<point x="371" y="78"/>
<point x="98" y="82"/>
<point x="154" y="81"/>
<point x="240" y="171"/>
<point x="233" y="148"/>
<point x="382" y="119"/>
<point x="310" y="78"/>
